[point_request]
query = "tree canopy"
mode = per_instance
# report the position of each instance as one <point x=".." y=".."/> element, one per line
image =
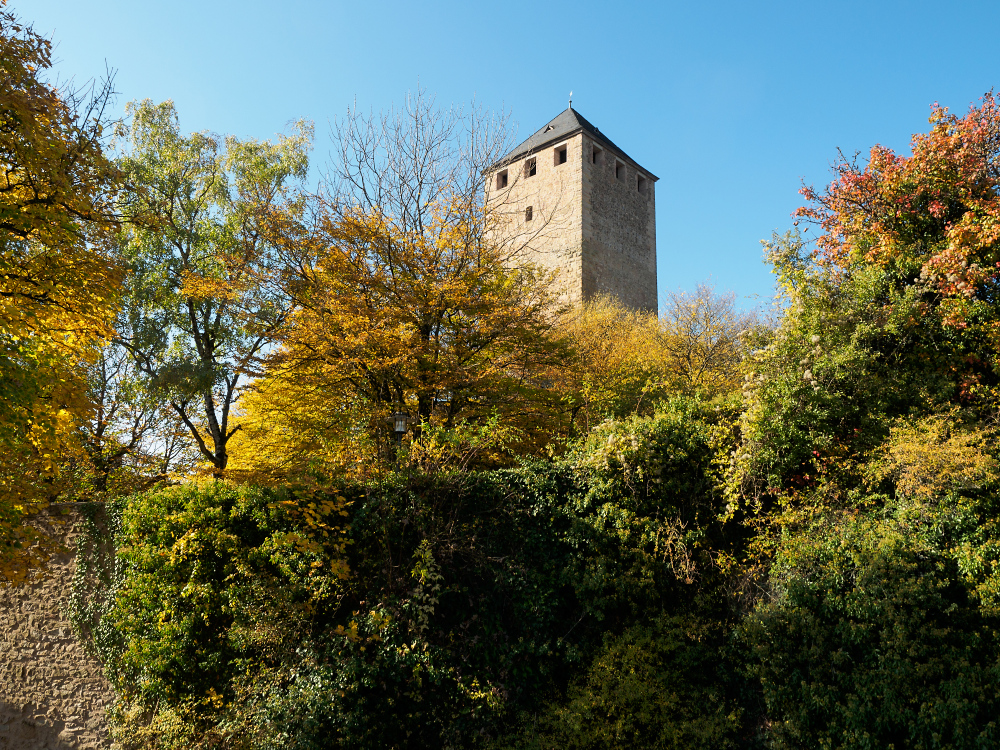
<point x="58" y="284"/>
<point x="405" y="293"/>
<point x="205" y="295"/>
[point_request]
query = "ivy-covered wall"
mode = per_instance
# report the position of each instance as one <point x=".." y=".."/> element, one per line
<point x="52" y="694"/>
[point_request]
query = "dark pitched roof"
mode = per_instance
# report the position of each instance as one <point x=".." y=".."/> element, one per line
<point x="562" y="126"/>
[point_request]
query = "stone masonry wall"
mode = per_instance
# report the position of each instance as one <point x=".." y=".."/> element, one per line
<point x="619" y="231"/>
<point x="52" y="694"/>
<point x="595" y="230"/>
<point x="553" y="237"/>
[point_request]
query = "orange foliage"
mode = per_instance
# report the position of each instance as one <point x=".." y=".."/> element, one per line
<point x="935" y="213"/>
<point x="434" y="322"/>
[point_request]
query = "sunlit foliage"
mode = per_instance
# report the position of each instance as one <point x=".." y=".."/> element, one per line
<point x="215" y="587"/>
<point x="626" y="361"/>
<point x="867" y="463"/>
<point x="205" y="292"/>
<point x="603" y="528"/>
<point x="406" y="297"/>
<point x="57" y="285"/>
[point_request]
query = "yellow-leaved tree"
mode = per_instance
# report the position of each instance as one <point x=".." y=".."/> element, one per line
<point x="618" y="358"/>
<point x="705" y="339"/>
<point x="408" y="297"/>
<point x="58" y="284"/>
<point x="626" y="361"/>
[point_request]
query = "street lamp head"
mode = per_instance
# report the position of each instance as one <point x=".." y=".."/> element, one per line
<point x="399" y="420"/>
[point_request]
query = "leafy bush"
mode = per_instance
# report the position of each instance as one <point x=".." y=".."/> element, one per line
<point x="215" y="582"/>
<point x="872" y="641"/>
<point x="655" y="686"/>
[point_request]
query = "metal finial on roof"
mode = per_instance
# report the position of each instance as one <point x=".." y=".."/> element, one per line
<point x="571" y="100"/>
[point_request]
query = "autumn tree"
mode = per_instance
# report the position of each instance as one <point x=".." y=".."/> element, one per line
<point x="294" y="424"/>
<point x="867" y="462"/>
<point x="204" y="295"/>
<point x="131" y="437"/>
<point x="406" y="294"/>
<point x="705" y="339"/>
<point x="929" y="217"/>
<point x="616" y="357"/>
<point x="627" y="361"/>
<point x="58" y="284"/>
<point x="891" y="313"/>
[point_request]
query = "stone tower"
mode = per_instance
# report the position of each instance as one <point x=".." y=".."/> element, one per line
<point x="580" y="206"/>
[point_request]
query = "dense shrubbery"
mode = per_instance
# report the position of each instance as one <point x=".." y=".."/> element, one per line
<point x="873" y="640"/>
<point x="665" y="683"/>
<point x="813" y="564"/>
<point x="213" y="587"/>
<point x="474" y="601"/>
<point x="591" y="601"/>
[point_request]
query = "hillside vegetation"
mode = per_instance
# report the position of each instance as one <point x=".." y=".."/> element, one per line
<point x="601" y="528"/>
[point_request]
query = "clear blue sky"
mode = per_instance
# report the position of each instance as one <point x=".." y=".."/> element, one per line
<point x="732" y="104"/>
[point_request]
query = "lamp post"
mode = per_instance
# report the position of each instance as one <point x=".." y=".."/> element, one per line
<point x="398" y="420"/>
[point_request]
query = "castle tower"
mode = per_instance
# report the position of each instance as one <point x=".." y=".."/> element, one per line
<point x="583" y="208"/>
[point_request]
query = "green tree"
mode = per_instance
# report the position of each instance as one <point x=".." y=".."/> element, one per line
<point x="205" y="294"/>
<point x="892" y="313"/>
<point x="131" y="437"/>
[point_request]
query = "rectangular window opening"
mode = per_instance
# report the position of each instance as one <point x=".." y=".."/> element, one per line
<point x="560" y="155"/>
<point x="530" y="167"/>
<point x="619" y="170"/>
<point x="598" y="156"/>
<point x="643" y="184"/>
<point x="528" y="215"/>
<point x="502" y="180"/>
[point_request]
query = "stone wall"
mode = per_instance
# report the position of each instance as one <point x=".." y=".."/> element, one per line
<point x="552" y="238"/>
<point x="52" y="694"/>
<point x="619" y="231"/>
